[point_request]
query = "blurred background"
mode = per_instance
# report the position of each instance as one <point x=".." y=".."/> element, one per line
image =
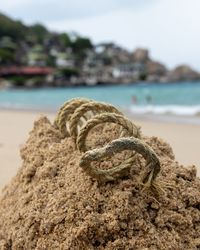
<point x="140" y="55"/>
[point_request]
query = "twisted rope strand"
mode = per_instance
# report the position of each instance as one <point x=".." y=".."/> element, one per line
<point x="60" y="110"/>
<point x="130" y="128"/>
<point x="116" y="146"/>
<point x="65" y="113"/>
<point x="91" y="106"/>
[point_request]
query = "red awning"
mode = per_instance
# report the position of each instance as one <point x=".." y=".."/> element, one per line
<point x="25" y="70"/>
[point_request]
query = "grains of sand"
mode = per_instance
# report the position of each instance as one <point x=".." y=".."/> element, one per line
<point x="52" y="204"/>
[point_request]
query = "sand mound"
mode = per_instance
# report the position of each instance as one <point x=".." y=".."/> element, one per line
<point x="53" y="204"/>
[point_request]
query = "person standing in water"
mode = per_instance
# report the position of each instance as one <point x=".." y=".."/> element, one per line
<point x="134" y="99"/>
<point x="149" y="99"/>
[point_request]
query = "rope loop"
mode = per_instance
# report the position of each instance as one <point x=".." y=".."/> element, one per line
<point x="95" y="107"/>
<point x="116" y="146"/>
<point x="85" y="114"/>
<point x="129" y="128"/>
<point x="65" y="113"/>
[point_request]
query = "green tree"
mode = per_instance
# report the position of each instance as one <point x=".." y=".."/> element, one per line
<point x="51" y="61"/>
<point x="39" y="32"/>
<point x="13" y="29"/>
<point x="81" y="44"/>
<point x="6" y="56"/>
<point x="68" y="72"/>
<point x="7" y="43"/>
<point x="65" y="40"/>
<point x="79" y="47"/>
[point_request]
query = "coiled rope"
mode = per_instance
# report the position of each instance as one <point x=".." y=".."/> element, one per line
<point x="65" y="113"/>
<point x="96" y="107"/>
<point x="92" y="114"/>
<point x="129" y="128"/>
<point x="116" y="146"/>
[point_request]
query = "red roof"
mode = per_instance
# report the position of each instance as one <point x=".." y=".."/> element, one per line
<point x="26" y="70"/>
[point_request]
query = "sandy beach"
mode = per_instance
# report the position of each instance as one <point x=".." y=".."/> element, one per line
<point x="15" y="126"/>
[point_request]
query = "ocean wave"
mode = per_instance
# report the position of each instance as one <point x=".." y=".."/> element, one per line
<point x="167" y="109"/>
<point x="11" y="105"/>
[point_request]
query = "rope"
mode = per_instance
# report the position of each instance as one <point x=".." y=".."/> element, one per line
<point x="95" y="107"/>
<point x="116" y="146"/>
<point x="66" y="112"/>
<point x="60" y="110"/>
<point x="90" y="113"/>
<point x="130" y="128"/>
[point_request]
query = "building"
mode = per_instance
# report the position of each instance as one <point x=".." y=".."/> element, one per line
<point x="131" y="71"/>
<point x="36" y="56"/>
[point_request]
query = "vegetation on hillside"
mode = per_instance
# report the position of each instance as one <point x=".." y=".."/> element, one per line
<point x="24" y="38"/>
<point x="70" y="59"/>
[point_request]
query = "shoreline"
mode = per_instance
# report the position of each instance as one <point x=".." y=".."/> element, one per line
<point x="163" y="118"/>
<point x="15" y="126"/>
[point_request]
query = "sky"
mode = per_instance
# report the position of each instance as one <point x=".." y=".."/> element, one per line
<point x="170" y="29"/>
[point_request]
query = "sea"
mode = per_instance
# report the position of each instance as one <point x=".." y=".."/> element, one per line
<point x="141" y="99"/>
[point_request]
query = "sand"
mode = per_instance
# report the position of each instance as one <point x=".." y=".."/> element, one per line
<point x="15" y="126"/>
<point x="53" y="204"/>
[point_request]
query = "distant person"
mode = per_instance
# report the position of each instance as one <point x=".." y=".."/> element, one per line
<point x="149" y="99"/>
<point x="134" y="99"/>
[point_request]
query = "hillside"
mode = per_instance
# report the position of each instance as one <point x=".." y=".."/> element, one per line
<point x="75" y="59"/>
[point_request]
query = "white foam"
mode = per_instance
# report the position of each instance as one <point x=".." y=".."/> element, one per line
<point x="167" y="109"/>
